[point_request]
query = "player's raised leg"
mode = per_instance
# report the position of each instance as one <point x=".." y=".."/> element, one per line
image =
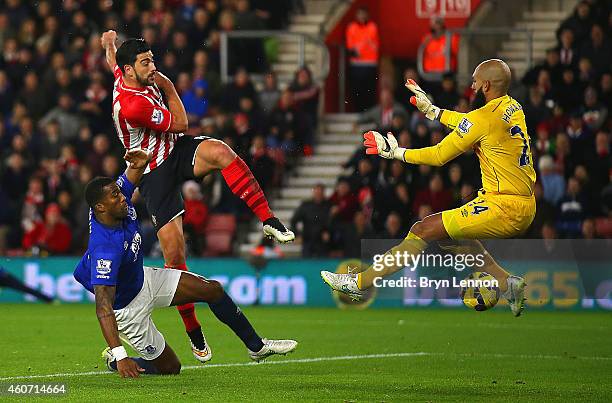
<point x="172" y="241"/>
<point x="194" y="288"/>
<point x="216" y="155"/>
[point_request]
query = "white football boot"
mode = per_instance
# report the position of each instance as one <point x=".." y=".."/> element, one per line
<point x="204" y="355"/>
<point x="274" y="229"/>
<point x="516" y="294"/>
<point x="107" y="356"/>
<point x="272" y="347"/>
<point x="344" y="283"/>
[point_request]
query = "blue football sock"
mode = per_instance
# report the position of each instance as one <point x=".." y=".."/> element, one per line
<point x="148" y="366"/>
<point x="227" y="312"/>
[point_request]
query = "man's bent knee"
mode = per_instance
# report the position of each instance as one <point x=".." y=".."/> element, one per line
<point x="418" y="229"/>
<point x="215" y="291"/>
<point x="430" y="228"/>
<point x="219" y="154"/>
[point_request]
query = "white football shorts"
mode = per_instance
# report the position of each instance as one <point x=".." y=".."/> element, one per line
<point x="134" y="321"/>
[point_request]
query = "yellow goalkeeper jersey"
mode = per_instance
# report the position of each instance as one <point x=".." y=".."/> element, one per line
<point x="498" y="134"/>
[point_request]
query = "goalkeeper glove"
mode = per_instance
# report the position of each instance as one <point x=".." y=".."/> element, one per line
<point x="376" y="143"/>
<point x="421" y="101"/>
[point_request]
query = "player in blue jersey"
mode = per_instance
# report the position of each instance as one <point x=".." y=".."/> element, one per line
<point x="127" y="291"/>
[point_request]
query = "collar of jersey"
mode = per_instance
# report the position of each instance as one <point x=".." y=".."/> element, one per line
<point x="496" y="99"/>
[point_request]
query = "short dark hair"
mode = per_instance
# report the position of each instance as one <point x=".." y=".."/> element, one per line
<point x="127" y="52"/>
<point x="94" y="191"/>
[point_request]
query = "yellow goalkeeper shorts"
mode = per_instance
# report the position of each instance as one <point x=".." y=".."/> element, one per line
<point x="490" y="216"/>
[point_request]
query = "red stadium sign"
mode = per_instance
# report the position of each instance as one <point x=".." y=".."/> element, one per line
<point x="443" y="8"/>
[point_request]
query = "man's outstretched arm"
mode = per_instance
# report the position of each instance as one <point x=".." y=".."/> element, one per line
<point x="108" y="44"/>
<point x="464" y="137"/>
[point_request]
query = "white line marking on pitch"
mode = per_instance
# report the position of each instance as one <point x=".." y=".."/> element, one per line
<point x="323" y="359"/>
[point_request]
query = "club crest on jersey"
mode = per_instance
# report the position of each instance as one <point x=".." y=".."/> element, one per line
<point x="464" y="126"/>
<point x="103" y="267"/>
<point x="136" y="245"/>
<point x="157" y="117"/>
<point x="132" y="213"/>
<point x="150" y="349"/>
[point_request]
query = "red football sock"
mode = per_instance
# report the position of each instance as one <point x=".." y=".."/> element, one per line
<point x="243" y="184"/>
<point x="187" y="311"/>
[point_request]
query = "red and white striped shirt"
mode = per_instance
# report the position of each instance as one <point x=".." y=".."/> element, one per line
<point x="142" y="120"/>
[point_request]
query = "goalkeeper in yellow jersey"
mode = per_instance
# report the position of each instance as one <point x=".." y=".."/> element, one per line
<point x="505" y="206"/>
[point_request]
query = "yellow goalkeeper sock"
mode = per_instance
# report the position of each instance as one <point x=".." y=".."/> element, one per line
<point x="412" y="244"/>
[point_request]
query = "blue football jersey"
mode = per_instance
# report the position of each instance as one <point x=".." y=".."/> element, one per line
<point x="113" y="254"/>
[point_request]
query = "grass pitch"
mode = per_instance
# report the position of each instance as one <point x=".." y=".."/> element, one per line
<point x="373" y="355"/>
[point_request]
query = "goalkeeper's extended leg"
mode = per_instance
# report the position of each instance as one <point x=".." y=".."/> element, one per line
<point x="429" y="229"/>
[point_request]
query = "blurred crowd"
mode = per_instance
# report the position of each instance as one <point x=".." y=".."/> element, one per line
<point x="56" y="129"/>
<point x="566" y="99"/>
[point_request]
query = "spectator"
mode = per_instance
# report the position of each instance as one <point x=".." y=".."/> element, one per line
<point x="240" y="87"/>
<point x="565" y="93"/>
<point x="579" y="133"/>
<point x="605" y="89"/>
<point x="95" y="159"/>
<point x="535" y="110"/>
<point x="597" y="50"/>
<point x="601" y="164"/>
<point x="382" y="114"/>
<point x="305" y="94"/>
<point x="270" y="95"/>
<point x="33" y="95"/>
<point x="362" y="43"/>
<point x="195" y="217"/>
<point x="579" y="22"/>
<point x="594" y="114"/>
<point x="261" y="164"/>
<point x="447" y="97"/>
<point x="68" y="121"/>
<point x="195" y="101"/>
<point x="344" y="203"/>
<point x="551" y="64"/>
<point x="571" y="210"/>
<point x="568" y="52"/>
<point x="15" y="176"/>
<point x="52" y="236"/>
<point x="364" y="176"/>
<point x="552" y="183"/>
<point x="393" y="227"/>
<point x="435" y="196"/>
<point x="310" y="220"/>
<point x="201" y="26"/>
<point x="354" y="234"/>
<point x="434" y="53"/>
<point x="6" y="94"/>
<point x="564" y="161"/>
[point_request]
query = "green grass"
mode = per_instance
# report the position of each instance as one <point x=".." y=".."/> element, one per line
<point x="542" y="356"/>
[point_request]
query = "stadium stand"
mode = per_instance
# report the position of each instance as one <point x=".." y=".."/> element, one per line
<point x="56" y="134"/>
<point x="56" y="129"/>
